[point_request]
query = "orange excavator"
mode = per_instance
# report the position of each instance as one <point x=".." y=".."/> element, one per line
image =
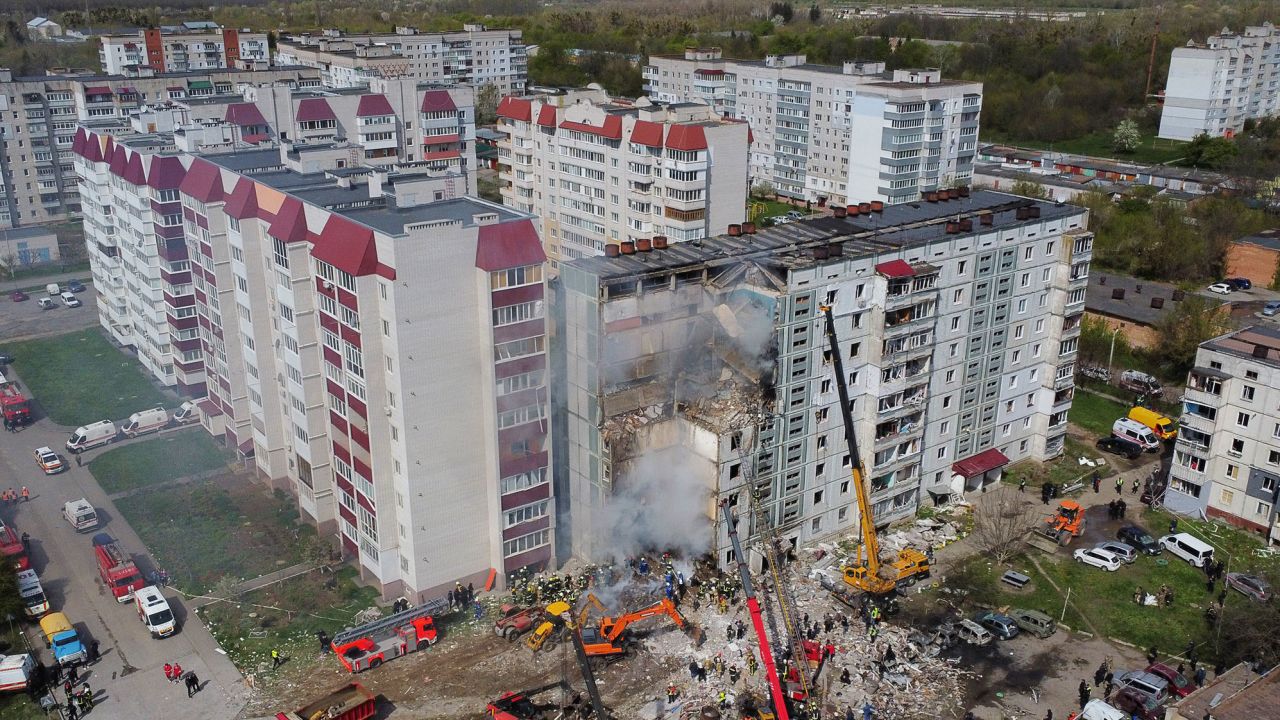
<point x="610" y="636"/>
<point x="866" y="573"/>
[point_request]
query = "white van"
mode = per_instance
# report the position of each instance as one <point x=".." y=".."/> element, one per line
<point x="81" y="515"/>
<point x="1136" y="432"/>
<point x="1189" y="548"/>
<point x="1100" y="710"/>
<point x="91" y="436"/>
<point x="32" y="594"/>
<point x="16" y="671"/>
<point x="154" y="611"/>
<point x="186" y="413"/>
<point x="147" y="421"/>
<point x="53" y="289"/>
<point x="70" y="300"/>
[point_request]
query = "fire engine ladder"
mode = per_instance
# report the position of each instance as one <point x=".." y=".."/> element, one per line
<point x="387" y="625"/>
<point x="772" y="542"/>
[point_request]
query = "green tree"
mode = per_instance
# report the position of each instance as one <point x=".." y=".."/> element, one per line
<point x="1275" y="276"/>
<point x="1209" y="152"/>
<point x="815" y="14"/>
<point x="1194" y="320"/>
<point x="487" y="104"/>
<point x="1029" y="188"/>
<point x="1095" y="342"/>
<point x="1127" y="137"/>
<point x="782" y="10"/>
<point x="10" y="600"/>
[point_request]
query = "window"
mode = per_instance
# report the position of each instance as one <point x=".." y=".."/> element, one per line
<point x="515" y="277"/>
<point x="1237" y="447"/>
<point x="1242" y="419"/>
<point x="1233" y="473"/>
<point x="1263" y="509"/>
<point x="280" y="252"/>
<point x="520" y="312"/>
<point x="946" y="402"/>
<point x="286" y="312"/>
<point x="1226" y="496"/>
<point x="368" y="523"/>
<point x="525" y="513"/>
<point x="329" y="306"/>
<point x="524" y="543"/>
<point x="350" y="317"/>
<point x="523" y="481"/>
<point x="1246" y="393"/>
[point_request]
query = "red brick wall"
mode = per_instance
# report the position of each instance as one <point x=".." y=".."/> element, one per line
<point x="1252" y="261"/>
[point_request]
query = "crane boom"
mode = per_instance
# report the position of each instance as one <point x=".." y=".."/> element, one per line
<point x="757" y="622"/>
<point x="870" y="544"/>
<point x="584" y="664"/>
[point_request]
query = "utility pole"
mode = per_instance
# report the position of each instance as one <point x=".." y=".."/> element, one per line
<point x="1151" y="61"/>
<point x="1065" y="600"/>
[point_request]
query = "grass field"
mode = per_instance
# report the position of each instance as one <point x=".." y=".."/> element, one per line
<point x="81" y="378"/>
<point x="1062" y="470"/>
<point x="189" y="452"/>
<point x="222" y="527"/>
<point x="1152" y="149"/>
<point x="1095" y="413"/>
<point x="773" y="208"/>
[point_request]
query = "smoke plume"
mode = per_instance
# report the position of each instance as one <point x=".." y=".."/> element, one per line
<point x="660" y="503"/>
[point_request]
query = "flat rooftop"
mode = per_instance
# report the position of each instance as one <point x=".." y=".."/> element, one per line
<point x="391" y="220"/>
<point x="1259" y="343"/>
<point x="899" y="227"/>
<point x="1135" y="305"/>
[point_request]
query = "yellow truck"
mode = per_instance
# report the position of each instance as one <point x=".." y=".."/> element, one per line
<point x="1162" y="426"/>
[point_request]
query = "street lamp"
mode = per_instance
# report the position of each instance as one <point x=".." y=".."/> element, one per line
<point x="1111" y="356"/>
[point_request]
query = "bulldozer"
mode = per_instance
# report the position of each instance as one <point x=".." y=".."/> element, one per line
<point x="1066" y="524"/>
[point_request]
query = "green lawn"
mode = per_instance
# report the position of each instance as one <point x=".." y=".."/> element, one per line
<point x="189" y="452"/>
<point x="1062" y="470"/>
<point x="41" y="271"/>
<point x="980" y="577"/>
<point x="773" y="208"/>
<point x="1095" y="413"/>
<point x="223" y="527"/>
<point x="81" y="378"/>
<point x="1152" y="149"/>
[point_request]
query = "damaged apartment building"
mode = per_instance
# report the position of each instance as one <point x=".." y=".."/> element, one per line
<point x="700" y="372"/>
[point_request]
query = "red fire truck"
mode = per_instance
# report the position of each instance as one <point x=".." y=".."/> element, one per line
<point x="16" y="408"/>
<point x="371" y="644"/>
<point x="116" y="568"/>
<point x="12" y="549"/>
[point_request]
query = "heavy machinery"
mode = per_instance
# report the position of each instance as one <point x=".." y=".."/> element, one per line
<point x="521" y="705"/>
<point x="610" y="637"/>
<point x="350" y="702"/>
<point x="1067" y="523"/>
<point x="866" y="573"/>
<point x="369" y="645"/>
<point x="757" y="620"/>
<point x="13" y="404"/>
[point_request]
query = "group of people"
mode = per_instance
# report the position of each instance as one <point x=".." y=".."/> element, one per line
<point x="1163" y="597"/>
<point x="12" y="497"/>
<point x="1116" y="509"/>
<point x="79" y="700"/>
<point x="173" y="672"/>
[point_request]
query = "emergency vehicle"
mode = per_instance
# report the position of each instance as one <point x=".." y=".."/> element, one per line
<point x="15" y="406"/>
<point x="369" y="645"/>
<point x="116" y="568"/>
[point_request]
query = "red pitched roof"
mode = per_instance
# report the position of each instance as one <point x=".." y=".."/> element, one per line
<point x="686" y="137"/>
<point x="97" y="90"/>
<point x="346" y="245"/>
<point x="315" y="110"/>
<point x="437" y="101"/>
<point x="244" y="114"/>
<point x="707" y="71"/>
<point x="119" y="160"/>
<point x="290" y="224"/>
<point x="980" y="463"/>
<point x="167" y="172"/>
<point x="895" y="269"/>
<point x="508" y="245"/>
<point x="77" y="144"/>
<point x="243" y="202"/>
<point x="647" y="133"/>
<point x="515" y="108"/>
<point x="611" y="129"/>
<point x="203" y="181"/>
<point x="133" y="171"/>
<point x="374" y="105"/>
<point x="547" y="116"/>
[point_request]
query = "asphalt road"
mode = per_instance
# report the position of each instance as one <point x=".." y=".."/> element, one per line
<point x="128" y="679"/>
<point x="26" y="320"/>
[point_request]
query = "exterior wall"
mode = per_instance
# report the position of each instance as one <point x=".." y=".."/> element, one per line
<point x="804" y="115"/>
<point x="1255" y="262"/>
<point x="1213" y="88"/>
<point x="976" y="351"/>
<point x="1141" y="336"/>
<point x="32" y="246"/>
<point x="182" y="52"/>
<point x="1227" y="456"/>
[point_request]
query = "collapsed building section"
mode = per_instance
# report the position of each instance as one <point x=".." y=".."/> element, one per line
<point x="695" y="373"/>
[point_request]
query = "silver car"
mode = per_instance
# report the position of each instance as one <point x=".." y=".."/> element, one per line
<point x="1119" y="549"/>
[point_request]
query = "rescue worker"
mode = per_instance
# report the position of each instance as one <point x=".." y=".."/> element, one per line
<point x="26" y="494"/>
<point x="672" y="691"/>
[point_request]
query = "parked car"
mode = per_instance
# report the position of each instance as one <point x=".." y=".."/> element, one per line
<point x="1135" y="703"/>
<point x="75" y="286"/>
<point x="1271" y="308"/>
<point x="1138" y="539"/>
<point x="1251" y="585"/>
<point x="1239" y="283"/>
<point x="1178" y="683"/>
<point x="70" y="300"/>
<point x="49" y="461"/>
<point x="972" y="633"/>
<point x="1002" y="626"/>
<point x="46" y="304"/>
<point x="18" y="296"/>
<point x="1140" y="382"/>
<point x="1034" y="622"/>
<point x="1126" y="553"/>
<point x="1099" y="710"/>
<point x="1120" y="446"/>
<point x="1189" y="548"/>
<point x="1221" y="288"/>
<point x="795" y="215"/>
<point x="1145" y="683"/>
<point x="1098" y="558"/>
<point x="1096" y="372"/>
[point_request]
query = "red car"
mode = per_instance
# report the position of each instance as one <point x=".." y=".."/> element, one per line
<point x="18" y="296"/>
<point x="1178" y="682"/>
<point x="1137" y="704"/>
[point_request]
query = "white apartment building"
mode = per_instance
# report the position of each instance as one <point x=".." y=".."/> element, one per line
<point x="373" y="340"/>
<point x="475" y="55"/>
<point x="399" y="126"/>
<point x="1214" y="87"/>
<point x="960" y="318"/>
<point x="835" y="135"/>
<point x="181" y="50"/>
<point x="39" y="116"/>
<point x="1226" y="460"/>
<point x="598" y="172"/>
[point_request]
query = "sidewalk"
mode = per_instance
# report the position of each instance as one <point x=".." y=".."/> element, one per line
<point x="8" y="286"/>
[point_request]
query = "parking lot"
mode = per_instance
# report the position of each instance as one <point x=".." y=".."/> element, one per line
<point x="25" y="320"/>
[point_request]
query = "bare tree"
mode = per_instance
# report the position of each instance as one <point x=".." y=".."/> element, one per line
<point x="1001" y="522"/>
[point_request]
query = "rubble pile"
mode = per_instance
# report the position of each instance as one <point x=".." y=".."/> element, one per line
<point x="926" y="533"/>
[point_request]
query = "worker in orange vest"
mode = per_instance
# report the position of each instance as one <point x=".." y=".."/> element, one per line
<point x="26" y="494"/>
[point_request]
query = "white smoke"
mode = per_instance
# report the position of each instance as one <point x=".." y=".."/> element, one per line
<point x="660" y="502"/>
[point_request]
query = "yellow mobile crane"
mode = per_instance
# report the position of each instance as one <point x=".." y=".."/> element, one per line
<point x="866" y="573"/>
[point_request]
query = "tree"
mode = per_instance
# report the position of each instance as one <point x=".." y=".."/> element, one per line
<point x="1127" y="137"/>
<point x="487" y="104"/>
<point x="781" y="10"/>
<point x="815" y="14"/>
<point x="1001" y="523"/>
<point x="1029" y="188"/>
<point x="1095" y="341"/>
<point x="1209" y="152"/>
<point x="10" y="601"/>
<point x="1193" y="321"/>
<point x="1246" y="630"/>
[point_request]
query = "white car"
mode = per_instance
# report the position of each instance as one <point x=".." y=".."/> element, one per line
<point x="48" y="461"/>
<point x="1221" y="288"/>
<point x="1098" y="558"/>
